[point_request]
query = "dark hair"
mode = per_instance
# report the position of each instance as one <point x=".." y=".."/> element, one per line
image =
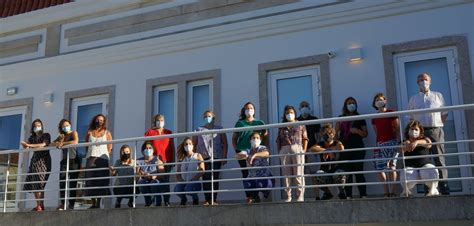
<point x="287" y="107"/>
<point x="92" y="125"/>
<point x="60" y="126"/>
<point x="33" y="126"/>
<point x="147" y="142"/>
<point x="346" y="112"/>
<point x="411" y="124"/>
<point x="181" y="153"/>
<point x="375" y="98"/>
<point x="329" y="127"/>
<point x="123" y="148"/>
<point x="255" y="133"/>
<point x="242" y="115"/>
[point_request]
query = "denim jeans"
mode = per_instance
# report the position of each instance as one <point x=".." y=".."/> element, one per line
<point x="153" y="186"/>
<point x="191" y="186"/>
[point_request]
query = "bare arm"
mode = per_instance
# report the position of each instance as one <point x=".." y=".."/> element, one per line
<point x="109" y="146"/>
<point x="234" y="140"/>
<point x="200" y="168"/>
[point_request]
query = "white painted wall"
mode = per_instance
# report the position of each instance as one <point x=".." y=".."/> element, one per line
<point x="238" y="62"/>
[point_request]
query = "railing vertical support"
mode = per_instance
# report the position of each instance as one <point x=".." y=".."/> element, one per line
<point x="66" y="187"/>
<point x="134" y="170"/>
<point x="6" y="185"/>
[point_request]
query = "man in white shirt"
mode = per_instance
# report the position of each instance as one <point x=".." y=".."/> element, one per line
<point x="432" y="123"/>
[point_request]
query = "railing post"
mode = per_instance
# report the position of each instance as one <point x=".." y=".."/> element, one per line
<point x="404" y="171"/>
<point x="6" y="185"/>
<point x="212" y="169"/>
<point x="134" y="178"/>
<point x="66" y="180"/>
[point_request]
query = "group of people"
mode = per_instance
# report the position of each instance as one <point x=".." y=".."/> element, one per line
<point x="325" y="144"/>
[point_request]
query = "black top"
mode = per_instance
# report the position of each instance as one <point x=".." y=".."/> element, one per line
<point x="328" y="157"/>
<point x="43" y="138"/>
<point x="352" y="140"/>
<point x="311" y="130"/>
<point x="417" y="162"/>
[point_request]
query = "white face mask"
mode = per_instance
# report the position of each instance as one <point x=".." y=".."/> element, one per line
<point x="188" y="148"/>
<point x="37" y="129"/>
<point x="305" y="111"/>
<point x="414" y="133"/>
<point x="290" y="117"/>
<point x="160" y="124"/>
<point x="255" y="143"/>
<point x="424" y="85"/>
<point x="380" y="103"/>
<point x="249" y="112"/>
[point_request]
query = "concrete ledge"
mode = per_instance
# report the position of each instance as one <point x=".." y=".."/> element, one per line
<point x="445" y="210"/>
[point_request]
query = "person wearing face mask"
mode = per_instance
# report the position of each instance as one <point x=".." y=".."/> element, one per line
<point x="351" y="134"/>
<point x="387" y="135"/>
<point x="67" y="137"/>
<point x="329" y="144"/>
<point x="211" y="146"/>
<point x="417" y="168"/>
<point x="241" y="140"/>
<point x="98" y="157"/>
<point x="40" y="163"/>
<point x="292" y="142"/>
<point x="433" y="123"/>
<point x="123" y="168"/>
<point x="189" y="171"/>
<point x="164" y="150"/>
<point x="313" y="138"/>
<point x="257" y="156"/>
<point x="149" y="167"/>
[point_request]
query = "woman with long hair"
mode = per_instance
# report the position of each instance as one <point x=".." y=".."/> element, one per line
<point x="40" y="163"/>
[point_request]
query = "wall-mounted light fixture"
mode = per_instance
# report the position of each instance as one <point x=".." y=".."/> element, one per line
<point x="12" y="91"/>
<point x="48" y="98"/>
<point x="355" y="54"/>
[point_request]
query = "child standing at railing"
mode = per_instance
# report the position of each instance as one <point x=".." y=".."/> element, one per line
<point x="257" y="156"/>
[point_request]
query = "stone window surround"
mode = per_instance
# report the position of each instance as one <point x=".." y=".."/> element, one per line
<point x="182" y="81"/>
<point x="107" y="90"/>
<point x="321" y="60"/>
<point x="460" y="42"/>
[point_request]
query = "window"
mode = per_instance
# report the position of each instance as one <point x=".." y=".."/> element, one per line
<point x="199" y="100"/>
<point x="165" y="103"/>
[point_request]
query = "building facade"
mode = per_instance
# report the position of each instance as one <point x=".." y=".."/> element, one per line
<point x="131" y="59"/>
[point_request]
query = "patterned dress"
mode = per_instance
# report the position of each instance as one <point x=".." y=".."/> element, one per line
<point x="40" y="163"/>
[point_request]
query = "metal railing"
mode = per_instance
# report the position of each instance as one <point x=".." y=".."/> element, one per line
<point x="273" y="167"/>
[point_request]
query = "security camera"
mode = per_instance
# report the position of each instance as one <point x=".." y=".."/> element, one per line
<point x="331" y="54"/>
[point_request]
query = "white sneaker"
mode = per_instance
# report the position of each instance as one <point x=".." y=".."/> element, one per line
<point x="300" y="199"/>
<point x="288" y="200"/>
<point x="433" y="192"/>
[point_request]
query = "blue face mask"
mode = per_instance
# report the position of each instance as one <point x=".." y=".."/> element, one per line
<point x="67" y="129"/>
<point x="351" y="107"/>
<point x="207" y="120"/>
<point x="148" y="152"/>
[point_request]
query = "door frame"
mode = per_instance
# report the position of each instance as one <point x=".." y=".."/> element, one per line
<point x="22" y="159"/>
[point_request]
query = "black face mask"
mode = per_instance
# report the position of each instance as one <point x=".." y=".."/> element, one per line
<point x="97" y="124"/>
<point x="124" y="157"/>
<point x="327" y="138"/>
